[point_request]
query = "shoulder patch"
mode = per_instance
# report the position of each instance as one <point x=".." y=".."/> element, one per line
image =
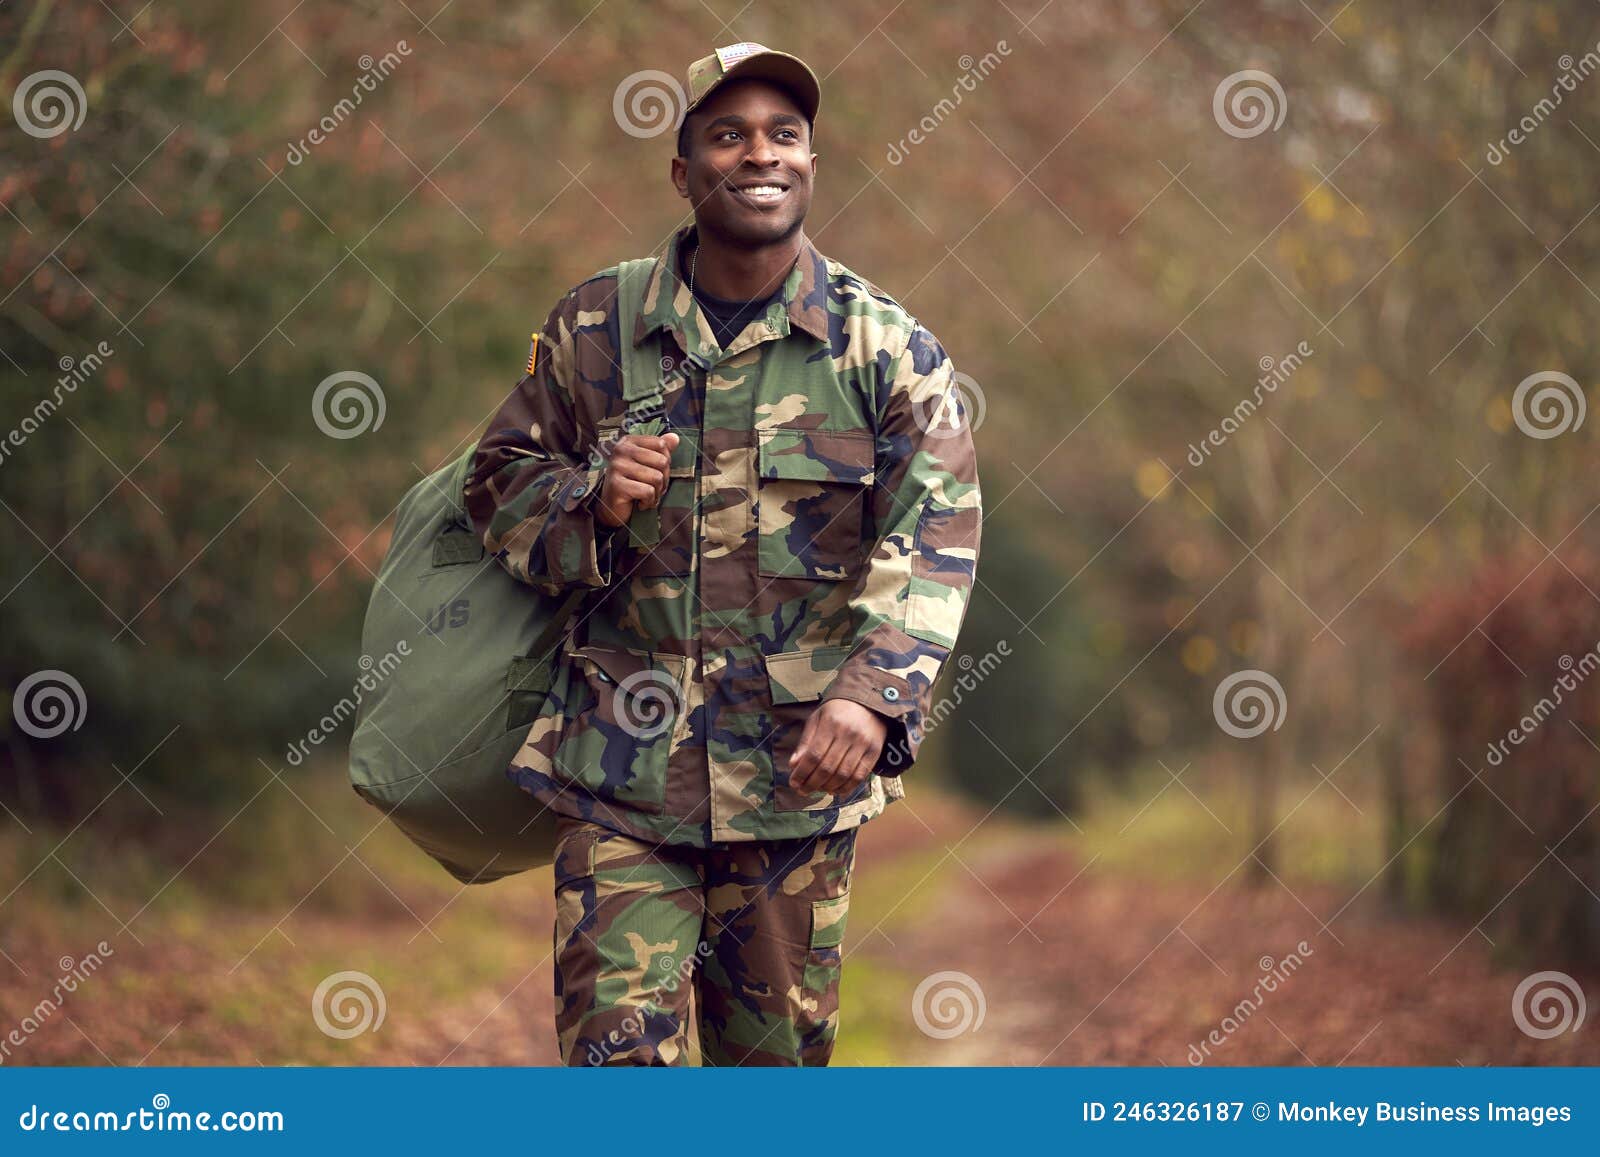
<point x="533" y="352"/>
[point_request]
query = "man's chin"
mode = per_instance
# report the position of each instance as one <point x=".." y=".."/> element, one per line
<point x="760" y="232"/>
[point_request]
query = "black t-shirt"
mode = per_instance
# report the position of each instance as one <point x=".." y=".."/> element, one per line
<point x="728" y="318"/>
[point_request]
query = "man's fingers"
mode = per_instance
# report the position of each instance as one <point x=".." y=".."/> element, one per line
<point x="645" y="444"/>
<point x="646" y="458"/>
<point x="804" y="768"/>
<point x="632" y="490"/>
<point x="834" y="755"/>
<point x="652" y="477"/>
<point x="828" y="762"/>
<point x="863" y="764"/>
<point x="644" y="455"/>
<point x="648" y="469"/>
<point x="843" y="778"/>
<point x="819" y="765"/>
<point x="804" y="758"/>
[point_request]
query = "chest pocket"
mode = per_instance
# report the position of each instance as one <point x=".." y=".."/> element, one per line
<point x="811" y="502"/>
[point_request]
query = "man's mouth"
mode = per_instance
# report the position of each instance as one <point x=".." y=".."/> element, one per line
<point x="761" y="196"/>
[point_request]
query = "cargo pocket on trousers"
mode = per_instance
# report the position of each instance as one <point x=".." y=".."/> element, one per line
<point x="819" y="1015"/>
<point x="828" y="922"/>
<point x="796" y="681"/>
<point x="811" y="502"/>
<point x="574" y="855"/>
<point x="573" y="867"/>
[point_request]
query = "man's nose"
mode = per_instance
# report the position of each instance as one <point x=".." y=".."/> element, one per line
<point x="763" y="152"/>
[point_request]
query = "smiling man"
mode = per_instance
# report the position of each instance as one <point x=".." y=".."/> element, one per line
<point x="777" y="572"/>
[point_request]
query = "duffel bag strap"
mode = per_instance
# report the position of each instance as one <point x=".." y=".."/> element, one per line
<point x="643" y="382"/>
<point x="550" y="638"/>
<point x="643" y="379"/>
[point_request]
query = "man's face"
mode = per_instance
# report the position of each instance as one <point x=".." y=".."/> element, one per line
<point x="749" y="136"/>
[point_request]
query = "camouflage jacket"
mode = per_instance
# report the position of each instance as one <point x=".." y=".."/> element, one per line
<point x="817" y="540"/>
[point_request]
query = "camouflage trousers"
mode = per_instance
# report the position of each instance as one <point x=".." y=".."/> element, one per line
<point x="753" y="931"/>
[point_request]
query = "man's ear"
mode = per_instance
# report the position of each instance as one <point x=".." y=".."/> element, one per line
<point x="680" y="176"/>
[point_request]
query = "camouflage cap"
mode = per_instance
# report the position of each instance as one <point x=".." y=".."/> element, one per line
<point x="747" y="60"/>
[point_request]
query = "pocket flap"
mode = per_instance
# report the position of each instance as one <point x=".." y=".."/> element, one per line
<point x="618" y="665"/>
<point x="817" y="455"/>
<point x="574" y="858"/>
<point x="614" y="663"/>
<point x="828" y="921"/>
<point x="802" y="676"/>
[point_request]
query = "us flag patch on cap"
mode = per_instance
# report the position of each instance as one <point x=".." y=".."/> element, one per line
<point x="533" y="351"/>
<point x="731" y="55"/>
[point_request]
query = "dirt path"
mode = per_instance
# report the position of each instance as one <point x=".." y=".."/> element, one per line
<point x="1090" y="970"/>
<point x="1071" y="965"/>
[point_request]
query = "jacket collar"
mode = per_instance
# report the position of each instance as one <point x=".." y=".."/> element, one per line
<point x="668" y="303"/>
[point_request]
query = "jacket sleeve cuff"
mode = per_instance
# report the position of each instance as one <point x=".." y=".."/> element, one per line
<point x="575" y="541"/>
<point x="893" y="699"/>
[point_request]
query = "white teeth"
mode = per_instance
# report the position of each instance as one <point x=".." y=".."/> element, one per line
<point x="763" y="191"/>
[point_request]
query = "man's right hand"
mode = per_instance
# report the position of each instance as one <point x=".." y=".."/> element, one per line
<point x="635" y="477"/>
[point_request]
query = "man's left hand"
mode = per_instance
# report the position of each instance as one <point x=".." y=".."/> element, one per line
<point x="838" y="748"/>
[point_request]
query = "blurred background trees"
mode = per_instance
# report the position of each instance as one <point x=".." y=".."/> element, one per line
<point x="1113" y="270"/>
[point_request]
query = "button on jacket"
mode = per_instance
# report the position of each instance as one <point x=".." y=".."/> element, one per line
<point x="817" y="540"/>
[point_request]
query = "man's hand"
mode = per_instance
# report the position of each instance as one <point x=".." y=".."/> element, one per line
<point x="636" y="476"/>
<point x="838" y="748"/>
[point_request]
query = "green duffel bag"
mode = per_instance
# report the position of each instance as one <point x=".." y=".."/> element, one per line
<point x="460" y="655"/>
<point x="459" y="659"/>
